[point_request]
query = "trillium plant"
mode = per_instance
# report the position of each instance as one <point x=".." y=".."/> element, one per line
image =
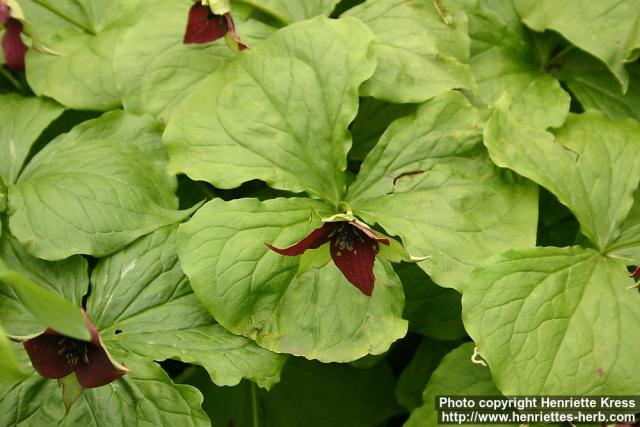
<point x="353" y="247"/>
<point x="319" y="213"/>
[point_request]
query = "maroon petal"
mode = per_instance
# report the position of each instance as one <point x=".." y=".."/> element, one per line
<point x="314" y="240"/>
<point x="5" y="14"/>
<point x="636" y="273"/>
<point x="44" y="352"/>
<point x="369" y="233"/>
<point x="13" y="46"/>
<point x="99" y="371"/>
<point x="357" y="264"/>
<point x="95" y="337"/>
<point x="203" y="26"/>
<point x="232" y="32"/>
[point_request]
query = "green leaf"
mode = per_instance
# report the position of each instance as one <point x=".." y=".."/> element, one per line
<point x="311" y="394"/>
<point x="146" y="395"/>
<point x="51" y="309"/>
<point x="608" y="29"/>
<point x="456" y="376"/>
<point x="255" y="292"/>
<point x="594" y="86"/>
<point x="142" y="130"/>
<point x="67" y="278"/>
<point x="84" y="49"/>
<point x="150" y="60"/>
<point x="289" y="11"/>
<point x="555" y="321"/>
<point x="627" y="245"/>
<point x="90" y="196"/>
<point x="23" y="120"/>
<point x="430" y="181"/>
<point x="10" y="371"/>
<point x="372" y="120"/>
<point x="415" y="376"/>
<point x="591" y="164"/>
<point x="422" y="47"/>
<point x="503" y="53"/>
<point x="142" y="303"/>
<point x="278" y="113"/>
<point x="431" y="310"/>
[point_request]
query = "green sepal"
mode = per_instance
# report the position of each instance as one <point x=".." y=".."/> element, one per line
<point x="219" y="7"/>
<point x="231" y="42"/>
<point x="395" y="252"/>
<point x="314" y="259"/>
<point x="71" y="390"/>
<point x="27" y="28"/>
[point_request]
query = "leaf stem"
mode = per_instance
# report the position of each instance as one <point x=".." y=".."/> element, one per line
<point x="64" y="16"/>
<point x="555" y="60"/>
<point x="622" y="245"/>
<point x="254" y="405"/>
<point x="13" y="80"/>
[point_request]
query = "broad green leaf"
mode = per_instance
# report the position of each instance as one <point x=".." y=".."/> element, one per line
<point x="456" y="376"/>
<point x="556" y="321"/>
<point x="142" y="303"/>
<point x="279" y="112"/>
<point x="372" y="120"/>
<point x="608" y="29"/>
<point x="142" y="131"/>
<point x="591" y="164"/>
<point x="431" y="310"/>
<point x="10" y="371"/>
<point x="503" y="53"/>
<point x="627" y="245"/>
<point x="23" y="120"/>
<point x="415" y="376"/>
<point x="430" y="181"/>
<point x="67" y="278"/>
<point x="145" y="396"/>
<point x="154" y="69"/>
<point x="51" y="309"/>
<point x="83" y="49"/>
<point x="289" y="11"/>
<point x="255" y="292"/>
<point x="422" y="47"/>
<point x="311" y="394"/>
<point x="594" y="86"/>
<point x="90" y="196"/>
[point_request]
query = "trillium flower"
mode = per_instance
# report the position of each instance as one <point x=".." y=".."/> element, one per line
<point x="204" y="26"/>
<point x="13" y="47"/>
<point x="353" y="247"/>
<point x="56" y="356"/>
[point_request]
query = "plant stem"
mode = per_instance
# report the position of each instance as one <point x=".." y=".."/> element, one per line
<point x="254" y="405"/>
<point x="64" y="16"/>
<point x="13" y="80"/>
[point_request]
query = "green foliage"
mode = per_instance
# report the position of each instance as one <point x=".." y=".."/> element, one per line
<point x="495" y="143"/>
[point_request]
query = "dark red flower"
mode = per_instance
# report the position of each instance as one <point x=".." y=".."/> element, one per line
<point x="353" y="248"/>
<point x="204" y="26"/>
<point x="55" y="356"/>
<point x="12" y="45"/>
<point x="636" y="273"/>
